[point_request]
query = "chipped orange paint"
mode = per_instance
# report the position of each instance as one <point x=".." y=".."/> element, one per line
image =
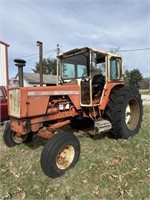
<point x="18" y="126"/>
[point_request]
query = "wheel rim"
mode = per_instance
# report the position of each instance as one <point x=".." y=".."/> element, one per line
<point x="65" y="157"/>
<point x="132" y="114"/>
<point x="19" y="138"/>
<point x="127" y="114"/>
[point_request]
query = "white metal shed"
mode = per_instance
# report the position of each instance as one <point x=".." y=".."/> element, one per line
<point x="4" y="73"/>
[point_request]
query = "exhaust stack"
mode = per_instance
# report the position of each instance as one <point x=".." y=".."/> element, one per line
<point x="20" y="64"/>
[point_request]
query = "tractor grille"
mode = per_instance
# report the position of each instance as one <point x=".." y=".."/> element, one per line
<point x="14" y="102"/>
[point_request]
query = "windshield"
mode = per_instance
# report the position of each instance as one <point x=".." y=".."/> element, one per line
<point x="75" y="66"/>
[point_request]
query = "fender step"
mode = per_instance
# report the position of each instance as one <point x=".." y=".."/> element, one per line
<point x="101" y="125"/>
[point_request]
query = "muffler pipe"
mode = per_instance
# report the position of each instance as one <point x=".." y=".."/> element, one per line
<point x="20" y="64"/>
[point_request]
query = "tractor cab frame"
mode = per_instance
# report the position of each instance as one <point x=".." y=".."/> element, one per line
<point x="93" y="70"/>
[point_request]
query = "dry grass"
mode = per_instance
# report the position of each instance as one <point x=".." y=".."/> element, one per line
<point x="107" y="169"/>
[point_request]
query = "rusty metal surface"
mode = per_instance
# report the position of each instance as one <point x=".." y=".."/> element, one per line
<point x="20" y="126"/>
<point x="60" y="124"/>
<point x="36" y="127"/>
<point x="45" y="133"/>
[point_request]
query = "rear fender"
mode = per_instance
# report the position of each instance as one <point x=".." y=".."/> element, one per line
<point x="106" y="93"/>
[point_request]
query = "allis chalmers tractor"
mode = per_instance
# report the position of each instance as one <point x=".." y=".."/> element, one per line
<point x="91" y="86"/>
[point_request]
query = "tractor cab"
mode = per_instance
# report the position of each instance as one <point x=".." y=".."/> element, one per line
<point x="91" y="69"/>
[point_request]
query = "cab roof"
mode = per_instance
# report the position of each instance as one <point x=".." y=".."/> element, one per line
<point x="85" y="49"/>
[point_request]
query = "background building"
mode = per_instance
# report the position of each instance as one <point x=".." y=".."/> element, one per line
<point x="33" y="79"/>
<point x="4" y="73"/>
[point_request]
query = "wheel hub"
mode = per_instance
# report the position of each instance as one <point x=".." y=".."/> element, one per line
<point x="65" y="157"/>
<point x="132" y="114"/>
<point x="19" y="138"/>
<point x="128" y="114"/>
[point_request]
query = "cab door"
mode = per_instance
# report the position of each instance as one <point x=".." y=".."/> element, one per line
<point x="86" y="92"/>
<point x="93" y="86"/>
<point x="86" y="84"/>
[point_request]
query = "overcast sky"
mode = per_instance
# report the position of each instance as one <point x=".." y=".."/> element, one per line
<point x="101" y="24"/>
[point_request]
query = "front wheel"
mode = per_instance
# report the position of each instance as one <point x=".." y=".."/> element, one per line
<point x="60" y="153"/>
<point x="125" y="111"/>
<point x="11" y="138"/>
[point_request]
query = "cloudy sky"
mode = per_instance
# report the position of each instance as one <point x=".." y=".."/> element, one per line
<point x="102" y="24"/>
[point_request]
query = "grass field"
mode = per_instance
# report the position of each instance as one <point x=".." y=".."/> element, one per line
<point x="107" y="169"/>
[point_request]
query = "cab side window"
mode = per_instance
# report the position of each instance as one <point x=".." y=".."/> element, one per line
<point x="115" y="68"/>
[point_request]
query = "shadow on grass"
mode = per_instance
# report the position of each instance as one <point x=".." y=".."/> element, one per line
<point x="102" y="136"/>
<point x="36" y="142"/>
<point x="85" y="129"/>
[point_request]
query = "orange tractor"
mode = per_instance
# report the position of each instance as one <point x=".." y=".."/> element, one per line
<point x="90" y="86"/>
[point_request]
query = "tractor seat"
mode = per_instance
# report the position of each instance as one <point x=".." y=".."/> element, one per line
<point x="97" y="86"/>
<point x="98" y="80"/>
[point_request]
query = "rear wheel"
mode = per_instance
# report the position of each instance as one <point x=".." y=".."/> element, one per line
<point x="125" y="111"/>
<point x="11" y="138"/>
<point x="60" y="153"/>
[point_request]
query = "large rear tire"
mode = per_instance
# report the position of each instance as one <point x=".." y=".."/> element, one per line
<point x="125" y="111"/>
<point x="12" y="138"/>
<point x="60" y="153"/>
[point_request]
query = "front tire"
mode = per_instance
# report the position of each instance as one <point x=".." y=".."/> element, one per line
<point x="12" y="138"/>
<point x="60" y="153"/>
<point x="125" y="111"/>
